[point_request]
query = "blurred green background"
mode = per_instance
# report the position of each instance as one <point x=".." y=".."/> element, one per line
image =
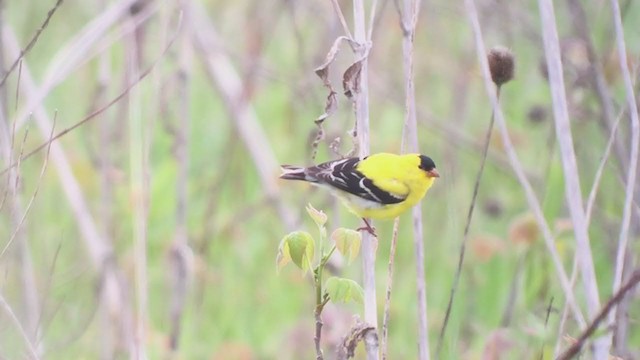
<point x="187" y="218"/>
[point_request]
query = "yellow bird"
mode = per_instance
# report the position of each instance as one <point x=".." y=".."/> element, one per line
<point x="380" y="186"/>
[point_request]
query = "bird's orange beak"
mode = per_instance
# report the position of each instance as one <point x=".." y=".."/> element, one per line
<point x="433" y="173"/>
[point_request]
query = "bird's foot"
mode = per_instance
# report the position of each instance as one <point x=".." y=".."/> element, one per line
<point x="368" y="228"/>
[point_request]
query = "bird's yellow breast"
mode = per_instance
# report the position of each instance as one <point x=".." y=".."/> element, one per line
<point x="397" y="174"/>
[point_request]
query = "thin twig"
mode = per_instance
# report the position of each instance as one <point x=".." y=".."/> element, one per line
<point x="180" y="250"/>
<point x="343" y="21"/>
<point x="633" y="161"/>
<point x="409" y="19"/>
<point x="574" y="349"/>
<point x="35" y="192"/>
<point x="372" y="20"/>
<point x="99" y="111"/>
<point x="546" y="322"/>
<point x="465" y="236"/>
<point x="565" y="310"/>
<point x="75" y="53"/>
<point x="603" y="162"/>
<point x="32" y="42"/>
<point x="532" y="200"/>
<point x="16" y="322"/>
<point x="387" y="300"/>
<point x="598" y="80"/>
<point x="17" y="96"/>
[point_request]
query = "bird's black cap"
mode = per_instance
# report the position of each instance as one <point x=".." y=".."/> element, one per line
<point x="426" y="163"/>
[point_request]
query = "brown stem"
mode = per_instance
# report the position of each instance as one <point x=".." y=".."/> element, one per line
<point x="574" y="349"/>
<point x="465" y="236"/>
<point x="32" y="42"/>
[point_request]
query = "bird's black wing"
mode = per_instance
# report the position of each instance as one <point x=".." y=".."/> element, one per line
<point x="343" y="174"/>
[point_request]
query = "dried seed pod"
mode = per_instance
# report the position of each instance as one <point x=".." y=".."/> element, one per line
<point x="501" y="64"/>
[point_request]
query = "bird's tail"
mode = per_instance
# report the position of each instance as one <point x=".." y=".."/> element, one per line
<point x="290" y="172"/>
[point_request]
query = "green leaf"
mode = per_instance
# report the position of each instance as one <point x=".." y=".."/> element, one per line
<point x="343" y="290"/>
<point x="318" y="216"/>
<point x="297" y="247"/>
<point x="347" y="242"/>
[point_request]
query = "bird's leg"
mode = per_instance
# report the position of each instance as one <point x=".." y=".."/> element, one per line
<point x="368" y="228"/>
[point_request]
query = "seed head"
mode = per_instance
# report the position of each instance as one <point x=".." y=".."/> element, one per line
<point x="501" y="64"/>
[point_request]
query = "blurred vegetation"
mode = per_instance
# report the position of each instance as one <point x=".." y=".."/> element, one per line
<point x="236" y="305"/>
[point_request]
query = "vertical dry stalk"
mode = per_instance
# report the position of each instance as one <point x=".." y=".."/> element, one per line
<point x="570" y="168"/>
<point x="532" y="200"/>
<point x="408" y="21"/>
<point x="633" y="161"/>
<point x="139" y="192"/>
<point x="369" y="243"/>
<point x="598" y="80"/>
<point x="180" y="248"/>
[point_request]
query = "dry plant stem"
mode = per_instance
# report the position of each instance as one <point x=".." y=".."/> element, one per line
<point x="139" y="193"/>
<point x="17" y="95"/>
<point x="4" y="99"/>
<point x="343" y="21"/>
<point x="16" y="323"/>
<point x="7" y="138"/>
<point x="565" y="310"/>
<point x="598" y="80"/>
<point x="369" y="243"/>
<point x="633" y="161"/>
<point x="465" y="236"/>
<point x="31" y="43"/>
<point x="387" y="300"/>
<point x="180" y="248"/>
<point x="574" y="349"/>
<point x="75" y="52"/>
<point x="225" y="79"/>
<point x="409" y="20"/>
<point x="572" y="182"/>
<point x="603" y="162"/>
<point x="98" y="249"/>
<point x="35" y="193"/>
<point x="124" y="93"/>
<point x="532" y="200"/>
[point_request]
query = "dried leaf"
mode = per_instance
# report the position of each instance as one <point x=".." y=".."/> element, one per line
<point x="323" y="70"/>
<point x="351" y="79"/>
<point x="331" y="105"/>
<point x="347" y="347"/>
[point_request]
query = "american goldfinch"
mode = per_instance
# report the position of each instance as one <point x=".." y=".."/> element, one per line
<point x="380" y="186"/>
